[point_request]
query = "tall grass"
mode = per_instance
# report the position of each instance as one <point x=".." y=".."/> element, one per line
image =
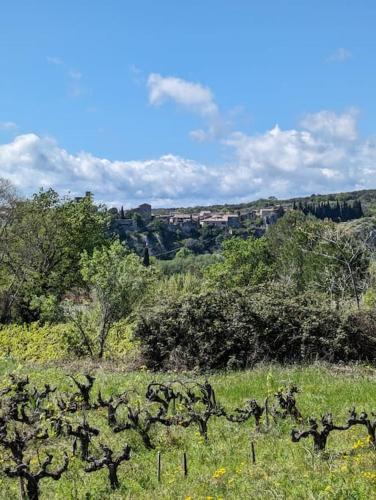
<point x="222" y="468"/>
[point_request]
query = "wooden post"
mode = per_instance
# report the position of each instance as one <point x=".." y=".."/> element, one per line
<point x="185" y="464"/>
<point x="253" y="452"/>
<point x="159" y="466"/>
<point x="267" y="411"/>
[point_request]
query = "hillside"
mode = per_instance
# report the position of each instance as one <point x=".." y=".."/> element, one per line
<point x="164" y="239"/>
<point x="367" y="197"/>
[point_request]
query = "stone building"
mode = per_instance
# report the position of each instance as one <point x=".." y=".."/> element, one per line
<point x="144" y="211"/>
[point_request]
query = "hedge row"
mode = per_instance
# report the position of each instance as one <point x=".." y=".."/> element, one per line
<point x="238" y="329"/>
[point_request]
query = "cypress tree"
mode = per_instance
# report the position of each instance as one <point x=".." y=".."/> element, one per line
<point x="146" y="259"/>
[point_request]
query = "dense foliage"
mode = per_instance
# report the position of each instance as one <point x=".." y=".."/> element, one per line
<point x="304" y="290"/>
<point x="41" y="242"/>
<point x="233" y="329"/>
<point x="338" y="212"/>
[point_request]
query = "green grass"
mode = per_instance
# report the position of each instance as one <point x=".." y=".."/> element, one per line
<point x="222" y="468"/>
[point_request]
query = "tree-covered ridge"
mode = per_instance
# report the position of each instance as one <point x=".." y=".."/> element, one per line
<point x="337" y="212"/>
<point x="367" y="198"/>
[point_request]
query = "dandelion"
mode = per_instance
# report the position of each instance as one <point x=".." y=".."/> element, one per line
<point x="219" y="473"/>
<point x="358" y="444"/>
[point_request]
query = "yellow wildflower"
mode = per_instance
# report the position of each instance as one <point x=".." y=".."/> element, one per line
<point x="219" y="473"/>
<point x="369" y="475"/>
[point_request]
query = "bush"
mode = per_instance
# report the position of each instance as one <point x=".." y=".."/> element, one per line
<point x="359" y="329"/>
<point x="202" y="331"/>
<point x="35" y="342"/>
<point x="45" y="343"/>
<point x="233" y="329"/>
<point x="298" y="327"/>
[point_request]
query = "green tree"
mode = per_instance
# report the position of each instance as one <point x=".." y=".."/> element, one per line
<point x="245" y="262"/>
<point x="118" y="282"/>
<point x="41" y="250"/>
<point x="345" y="259"/>
<point x="286" y="245"/>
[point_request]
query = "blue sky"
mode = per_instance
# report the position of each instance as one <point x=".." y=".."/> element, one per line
<point x="177" y="102"/>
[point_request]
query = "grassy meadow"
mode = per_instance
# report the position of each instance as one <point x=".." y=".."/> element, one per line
<point x="221" y="468"/>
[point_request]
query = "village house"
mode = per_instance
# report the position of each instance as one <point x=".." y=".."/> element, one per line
<point x="177" y="218"/>
<point x="221" y="220"/>
<point x="270" y="215"/>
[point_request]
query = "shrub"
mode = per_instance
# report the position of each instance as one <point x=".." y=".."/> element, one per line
<point x="35" y="342"/>
<point x="204" y="331"/>
<point x="359" y="329"/>
<point x="298" y="327"/>
<point x="44" y="343"/>
<point x="232" y="329"/>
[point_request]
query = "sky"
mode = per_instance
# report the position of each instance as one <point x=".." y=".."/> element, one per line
<point x="180" y="103"/>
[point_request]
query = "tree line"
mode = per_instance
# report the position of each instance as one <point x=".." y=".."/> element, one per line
<point x="305" y="289"/>
<point x="338" y="211"/>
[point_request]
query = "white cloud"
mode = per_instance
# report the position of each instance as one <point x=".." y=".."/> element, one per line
<point x="31" y="161"/>
<point x="8" y="126"/>
<point x="190" y="95"/>
<point x="195" y="98"/>
<point x="286" y="162"/>
<point x="199" y="135"/>
<point x="329" y="123"/>
<point x="339" y="55"/>
<point x="278" y="162"/>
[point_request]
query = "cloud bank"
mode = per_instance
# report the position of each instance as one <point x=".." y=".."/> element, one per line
<point x="323" y="154"/>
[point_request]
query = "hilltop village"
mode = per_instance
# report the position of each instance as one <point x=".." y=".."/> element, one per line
<point x="199" y="232"/>
<point x="262" y="217"/>
<point x="202" y="230"/>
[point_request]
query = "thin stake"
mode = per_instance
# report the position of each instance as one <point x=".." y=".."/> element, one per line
<point x="185" y="464"/>
<point x="159" y="466"/>
<point x="253" y="452"/>
<point x="267" y="411"/>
